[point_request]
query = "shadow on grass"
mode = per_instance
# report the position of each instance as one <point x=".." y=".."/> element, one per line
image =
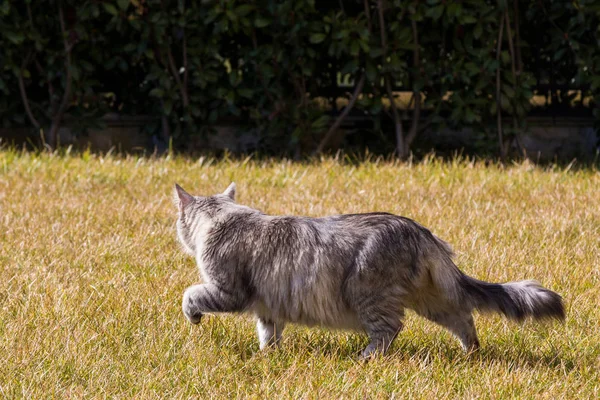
<point x="343" y="347"/>
<point x="343" y="156"/>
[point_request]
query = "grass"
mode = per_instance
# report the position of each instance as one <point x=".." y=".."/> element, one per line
<point x="91" y="279"/>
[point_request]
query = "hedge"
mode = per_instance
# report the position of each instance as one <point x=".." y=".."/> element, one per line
<point x="280" y="67"/>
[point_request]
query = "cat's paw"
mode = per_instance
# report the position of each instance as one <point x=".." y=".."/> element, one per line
<point x="190" y="311"/>
<point x="194" y="319"/>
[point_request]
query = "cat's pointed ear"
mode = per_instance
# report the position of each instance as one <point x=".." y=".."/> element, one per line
<point x="230" y="191"/>
<point x="183" y="198"/>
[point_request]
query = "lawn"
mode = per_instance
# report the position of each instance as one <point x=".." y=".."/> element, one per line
<point x="91" y="280"/>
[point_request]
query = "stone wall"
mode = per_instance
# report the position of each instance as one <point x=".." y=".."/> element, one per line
<point x="547" y="138"/>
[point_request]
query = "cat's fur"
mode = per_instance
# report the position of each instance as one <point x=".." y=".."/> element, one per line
<point x="355" y="271"/>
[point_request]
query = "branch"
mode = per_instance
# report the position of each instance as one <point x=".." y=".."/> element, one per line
<point x="400" y="143"/>
<point x="382" y="28"/>
<point x="498" y="102"/>
<point x="68" y="48"/>
<point x="368" y="14"/>
<point x="56" y="120"/>
<point x="342" y="116"/>
<point x="414" y="127"/>
<point x="511" y="48"/>
<point x="166" y="130"/>
<point x="518" y="38"/>
<point x="23" y="92"/>
<point x="514" y="73"/>
<point x="185" y="60"/>
<point x="50" y="87"/>
<point x="175" y="73"/>
<point x="260" y="75"/>
<point x="357" y="91"/>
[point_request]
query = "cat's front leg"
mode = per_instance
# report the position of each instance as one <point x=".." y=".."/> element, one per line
<point x="269" y="332"/>
<point x="200" y="299"/>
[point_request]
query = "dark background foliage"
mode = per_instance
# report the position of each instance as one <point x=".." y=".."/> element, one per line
<point x="292" y="71"/>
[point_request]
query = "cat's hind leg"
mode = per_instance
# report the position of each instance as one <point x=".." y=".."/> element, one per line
<point x="382" y="321"/>
<point x="459" y="322"/>
<point x="462" y="326"/>
<point x="269" y="332"/>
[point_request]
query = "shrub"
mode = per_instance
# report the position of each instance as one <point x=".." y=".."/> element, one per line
<point x="279" y="68"/>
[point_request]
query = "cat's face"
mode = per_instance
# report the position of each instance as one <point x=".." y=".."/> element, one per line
<point x="195" y="212"/>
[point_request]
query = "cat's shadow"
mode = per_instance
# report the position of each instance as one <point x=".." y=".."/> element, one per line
<point x="348" y="347"/>
<point x="345" y="346"/>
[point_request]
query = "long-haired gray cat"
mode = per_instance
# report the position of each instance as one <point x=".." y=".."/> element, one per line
<point x="355" y="271"/>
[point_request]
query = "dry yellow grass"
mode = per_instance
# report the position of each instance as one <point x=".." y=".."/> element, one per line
<point x="91" y="279"/>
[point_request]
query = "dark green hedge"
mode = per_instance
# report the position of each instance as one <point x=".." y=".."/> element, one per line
<point x="277" y="67"/>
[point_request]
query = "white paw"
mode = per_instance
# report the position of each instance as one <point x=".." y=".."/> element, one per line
<point x="189" y="310"/>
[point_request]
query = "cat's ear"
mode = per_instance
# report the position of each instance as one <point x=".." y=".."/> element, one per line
<point x="183" y="198"/>
<point x="230" y="191"/>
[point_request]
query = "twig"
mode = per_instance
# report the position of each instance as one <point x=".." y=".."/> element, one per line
<point x="260" y="75"/>
<point x="53" y="134"/>
<point x="514" y="74"/>
<point x="368" y="14"/>
<point x="400" y="143"/>
<point x="414" y="127"/>
<point x="182" y="89"/>
<point x="518" y="38"/>
<point x="166" y="129"/>
<point x="185" y="62"/>
<point x="357" y="91"/>
<point x="23" y="92"/>
<point x="498" y="102"/>
<point x="342" y="116"/>
<point x="50" y="87"/>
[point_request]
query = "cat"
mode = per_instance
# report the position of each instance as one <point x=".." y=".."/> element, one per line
<point x="353" y="271"/>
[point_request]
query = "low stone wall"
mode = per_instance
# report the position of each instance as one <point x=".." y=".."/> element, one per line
<point x="546" y="139"/>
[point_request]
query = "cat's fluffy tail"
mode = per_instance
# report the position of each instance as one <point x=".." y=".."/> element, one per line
<point x="516" y="300"/>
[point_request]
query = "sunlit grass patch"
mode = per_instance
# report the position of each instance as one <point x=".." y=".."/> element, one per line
<point x="92" y="278"/>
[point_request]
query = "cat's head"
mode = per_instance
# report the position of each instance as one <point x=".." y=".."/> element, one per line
<point x="197" y="212"/>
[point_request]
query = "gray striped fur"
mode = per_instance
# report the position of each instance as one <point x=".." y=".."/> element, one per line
<point x="354" y="271"/>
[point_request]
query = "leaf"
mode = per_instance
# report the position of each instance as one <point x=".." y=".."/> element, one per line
<point x="168" y="107"/>
<point x="246" y="93"/>
<point x="371" y="71"/>
<point x="508" y="90"/>
<point x="123" y="4"/>
<point x="321" y="122"/>
<point x="354" y="48"/>
<point x="470" y="116"/>
<point x="478" y="31"/>
<point x="110" y="8"/>
<point x="316" y="38"/>
<point x="504" y="102"/>
<point x="157" y="92"/>
<point x="469" y="19"/>
<point x="376" y="52"/>
<point x="435" y="12"/>
<point x="75" y="73"/>
<point x="261" y="22"/>
<point x="559" y="54"/>
<point x="16" y="38"/>
<point x="454" y="9"/>
<point x="244" y="10"/>
<point x="350" y="67"/>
